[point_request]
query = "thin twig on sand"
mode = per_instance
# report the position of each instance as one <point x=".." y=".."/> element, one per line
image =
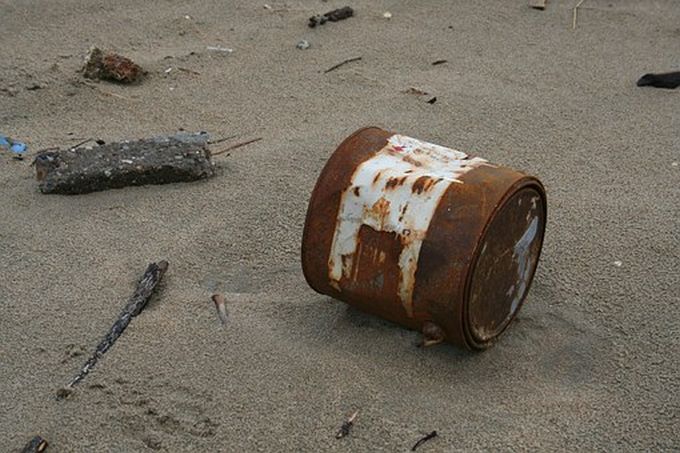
<point x="420" y="442"/>
<point x="238" y="145"/>
<point x="342" y="63"/>
<point x="136" y="303"/>
<point x="575" y="14"/>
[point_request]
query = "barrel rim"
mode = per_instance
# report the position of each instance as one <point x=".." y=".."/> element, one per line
<point x="523" y="183"/>
<point x="320" y="180"/>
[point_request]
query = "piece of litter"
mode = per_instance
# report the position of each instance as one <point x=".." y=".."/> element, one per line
<point x="302" y="45"/>
<point x="438" y="62"/>
<point x="267" y="6"/>
<point x="221" y="49"/>
<point x="78" y="171"/>
<point x="218" y="300"/>
<point x="331" y="16"/>
<point x="669" y="80"/>
<point x="618" y="263"/>
<point x="35" y="445"/>
<point x="674" y="164"/>
<point x="420" y="442"/>
<point x="187" y="17"/>
<point x="416" y="91"/>
<point x="346" y="426"/>
<point x="111" y="66"/>
<point x="167" y="71"/>
<point x="17" y="148"/>
<point x="537" y="4"/>
<point x="387" y="15"/>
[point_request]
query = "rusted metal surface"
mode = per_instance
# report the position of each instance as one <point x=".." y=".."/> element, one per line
<point x="424" y="236"/>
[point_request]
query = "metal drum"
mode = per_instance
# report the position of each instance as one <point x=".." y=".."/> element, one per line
<point x="424" y="236"/>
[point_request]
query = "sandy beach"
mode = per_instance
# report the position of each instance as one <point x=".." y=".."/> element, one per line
<point x="592" y="361"/>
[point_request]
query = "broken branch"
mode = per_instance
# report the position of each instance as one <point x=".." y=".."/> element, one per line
<point x="238" y="145"/>
<point x="342" y="63"/>
<point x="420" y="442"/>
<point x="137" y="302"/>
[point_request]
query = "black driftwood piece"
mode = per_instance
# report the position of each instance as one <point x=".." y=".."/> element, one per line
<point x="35" y="445"/>
<point x="670" y="80"/>
<point x="115" y="165"/>
<point x="331" y="16"/>
<point x="424" y="439"/>
<point x="135" y="305"/>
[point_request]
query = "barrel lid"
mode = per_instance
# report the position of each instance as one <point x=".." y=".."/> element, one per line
<point x="505" y="264"/>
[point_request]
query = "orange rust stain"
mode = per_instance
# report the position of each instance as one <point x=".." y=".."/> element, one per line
<point x="381" y="209"/>
<point x="377" y="177"/>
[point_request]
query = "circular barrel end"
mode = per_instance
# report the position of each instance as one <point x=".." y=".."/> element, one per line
<point x="504" y="264"/>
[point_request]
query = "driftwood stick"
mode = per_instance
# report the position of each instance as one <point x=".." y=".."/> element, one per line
<point x="432" y="435"/>
<point x="35" y="445"/>
<point x="342" y="63"/>
<point x="135" y="305"/>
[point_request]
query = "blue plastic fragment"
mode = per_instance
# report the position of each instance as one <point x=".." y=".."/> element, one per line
<point x="17" y="148"/>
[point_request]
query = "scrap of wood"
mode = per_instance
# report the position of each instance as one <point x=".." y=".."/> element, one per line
<point x="537" y="4"/>
<point x="424" y="439"/>
<point x="137" y="302"/>
<point x="575" y="14"/>
<point x="342" y="63"/>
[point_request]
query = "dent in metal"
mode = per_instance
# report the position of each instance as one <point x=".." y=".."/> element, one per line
<point x="395" y="191"/>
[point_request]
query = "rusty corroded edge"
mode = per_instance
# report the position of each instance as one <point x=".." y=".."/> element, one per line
<point x="314" y="200"/>
<point x="524" y="183"/>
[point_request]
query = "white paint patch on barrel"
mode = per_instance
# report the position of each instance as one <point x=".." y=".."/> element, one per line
<point x="396" y="191"/>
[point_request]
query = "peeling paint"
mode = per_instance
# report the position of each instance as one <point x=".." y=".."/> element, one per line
<point x="406" y="173"/>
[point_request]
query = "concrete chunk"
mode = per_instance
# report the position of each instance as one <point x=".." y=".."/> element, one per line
<point x="160" y="160"/>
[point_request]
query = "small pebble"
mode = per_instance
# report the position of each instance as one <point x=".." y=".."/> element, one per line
<point x="674" y="164"/>
<point x="387" y="15"/>
<point x="618" y="263"/>
<point x="302" y="45"/>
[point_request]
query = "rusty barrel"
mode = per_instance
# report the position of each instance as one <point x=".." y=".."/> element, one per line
<point x="424" y="236"/>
